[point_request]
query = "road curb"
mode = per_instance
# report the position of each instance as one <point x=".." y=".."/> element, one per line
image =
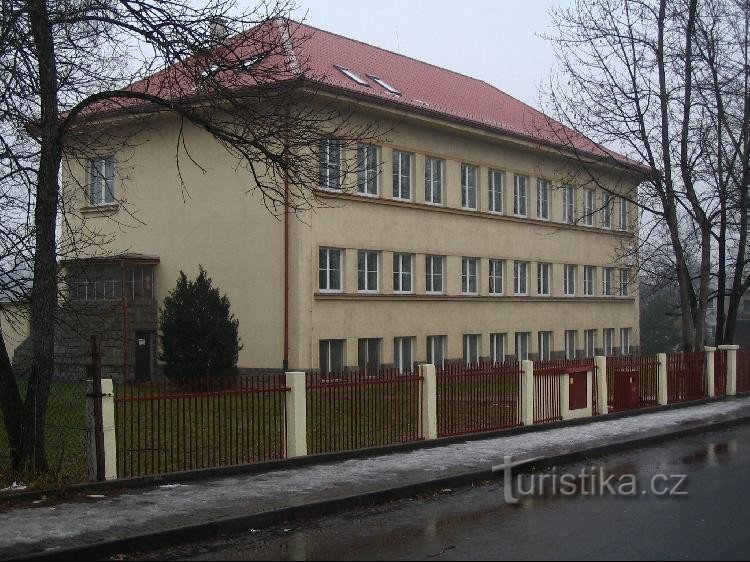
<point x="214" y="529"/>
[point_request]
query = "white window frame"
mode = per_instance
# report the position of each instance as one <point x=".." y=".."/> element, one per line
<point x="544" y="279"/>
<point x="626" y="335"/>
<point x="431" y="275"/>
<point x="102" y="170"/>
<point x="624" y="215"/>
<point x="332" y="180"/>
<point x="522" y="350"/>
<point x="433" y="180"/>
<point x="569" y="204"/>
<point x="624" y="283"/>
<point x="402" y="188"/>
<point x="570" y="272"/>
<point x="608" y="341"/>
<point x="608" y="200"/>
<point x="521" y="196"/>
<point x="589" y="281"/>
<point x="589" y="196"/>
<point x="469" y="192"/>
<point x="401" y="274"/>
<point x="542" y="199"/>
<point x="329" y="355"/>
<point x="470" y="276"/>
<point x="545" y="345"/>
<point x="589" y="342"/>
<point x="433" y="344"/>
<point x="472" y="349"/>
<point x="497" y="277"/>
<point x="608" y="279"/>
<point x="329" y="271"/>
<point x="366" y="175"/>
<point x="571" y="343"/>
<point x="521" y="281"/>
<point x="496" y="191"/>
<point x="498" y="347"/>
<point x="367" y="271"/>
<point x="400" y="347"/>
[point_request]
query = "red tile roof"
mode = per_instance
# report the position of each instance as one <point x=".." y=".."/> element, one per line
<point x="423" y="87"/>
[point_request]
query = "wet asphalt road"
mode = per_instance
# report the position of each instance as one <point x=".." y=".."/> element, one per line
<point x="711" y="522"/>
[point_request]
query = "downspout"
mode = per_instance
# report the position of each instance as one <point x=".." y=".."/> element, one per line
<point x="124" y="323"/>
<point x="286" y="271"/>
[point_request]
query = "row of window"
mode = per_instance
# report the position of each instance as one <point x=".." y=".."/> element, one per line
<point x="369" y="168"/>
<point x="332" y="352"/>
<point x="331" y="266"/>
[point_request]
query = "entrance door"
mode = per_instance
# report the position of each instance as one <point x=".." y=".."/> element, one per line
<point x="143" y="358"/>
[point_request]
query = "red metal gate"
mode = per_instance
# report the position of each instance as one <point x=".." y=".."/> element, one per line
<point x="720" y="372"/>
<point x="632" y="382"/>
<point x="686" y="376"/>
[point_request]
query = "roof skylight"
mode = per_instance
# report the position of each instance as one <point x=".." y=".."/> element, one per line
<point x="352" y="76"/>
<point x="384" y="84"/>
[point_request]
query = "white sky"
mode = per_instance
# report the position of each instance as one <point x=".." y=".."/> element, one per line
<point x="494" y="40"/>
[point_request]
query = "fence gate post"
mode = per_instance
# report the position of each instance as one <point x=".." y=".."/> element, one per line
<point x="601" y="385"/>
<point x="710" y="371"/>
<point x="663" y="392"/>
<point x="527" y="393"/>
<point x="296" y="415"/>
<point x="731" y="368"/>
<point x="102" y="440"/>
<point x="429" y="401"/>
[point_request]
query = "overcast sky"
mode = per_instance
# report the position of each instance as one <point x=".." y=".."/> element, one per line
<point x="495" y="40"/>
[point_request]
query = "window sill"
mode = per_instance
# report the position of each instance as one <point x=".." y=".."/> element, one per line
<point x="109" y="208"/>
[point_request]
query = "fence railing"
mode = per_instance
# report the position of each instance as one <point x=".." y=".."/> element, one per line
<point x="166" y="427"/>
<point x="547" y="391"/>
<point x="743" y="371"/>
<point x="686" y="378"/>
<point x="480" y="397"/>
<point x="632" y="382"/>
<point x="720" y="372"/>
<point x="357" y="410"/>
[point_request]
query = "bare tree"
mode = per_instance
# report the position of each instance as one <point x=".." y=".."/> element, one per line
<point x="67" y="65"/>
<point x="665" y="82"/>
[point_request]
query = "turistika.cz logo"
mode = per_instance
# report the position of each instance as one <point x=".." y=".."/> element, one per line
<point x="590" y="481"/>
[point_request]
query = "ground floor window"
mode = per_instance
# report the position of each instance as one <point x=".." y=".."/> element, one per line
<point x="402" y="354"/>
<point x="331" y="356"/>
<point x="436" y="350"/>
<point x="471" y="349"/>
<point x="498" y="347"/>
<point x="545" y="346"/>
<point x="369" y="355"/>
<point x="523" y="343"/>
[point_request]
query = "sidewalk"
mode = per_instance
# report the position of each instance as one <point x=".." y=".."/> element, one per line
<point x="40" y="529"/>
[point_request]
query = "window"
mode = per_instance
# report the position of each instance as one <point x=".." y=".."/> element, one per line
<point x="542" y="200"/>
<point x="101" y="181"/>
<point x="543" y="279"/>
<point x="401" y="175"/>
<point x="330" y="163"/>
<point x="433" y="181"/>
<point x="520" y="274"/>
<point x="570" y="280"/>
<point x="471" y="349"/>
<point x="331" y="359"/>
<point x="589" y="280"/>
<point x="367" y="169"/>
<point x="520" y="195"/>
<point x="624" y="222"/>
<point x="545" y="346"/>
<point x="351" y="75"/>
<point x="330" y="269"/>
<point x="607" y="211"/>
<point x="468" y="186"/>
<point x="569" y="204"/>
<point x="523" y="340"/>
<point x="624" y="282"/>
<point x="402" y="354"/>
<point x="495" y="191"/>
<point x="625" y="336"/>
<point x="588" y="207"/>
<point x="434" y="274"/>
<point x="402" y="273"/>
<point x="436" y="350"/>
<point x="571" y="337"/>
<point x="104" y="282"/>
<point x="498" y="347"/>
<point x="607" y="282"/>
<point x="469" y="276"/>
<point x="589" y="337"/>
<point x="609" y="341"/>
<point x="497" y="274"/>
<point x="367" y="271"/>
<point x="369" y="355"/>
<point x="385" y="85"/>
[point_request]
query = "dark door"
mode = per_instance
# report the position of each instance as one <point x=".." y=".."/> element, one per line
<point x="143" y="356"/>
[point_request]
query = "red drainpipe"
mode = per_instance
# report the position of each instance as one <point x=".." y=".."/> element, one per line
<point x="286" y="272"/>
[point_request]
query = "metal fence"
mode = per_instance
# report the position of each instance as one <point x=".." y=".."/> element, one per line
<point x="547" y="391"/>
<point x="632" y="382"/>
<point x="743" y="371"/>
<point x="686" y="377"/>
<point x="167" y="427"/>
<point x="720" y="372"/>
<point x="354" y="410"/>
<point x="479" y="397"/>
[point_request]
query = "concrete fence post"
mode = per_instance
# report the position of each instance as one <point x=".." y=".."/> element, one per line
<point x="296" y="415"/>
<point x="527" y="393"/>
<point x="108" y="426"/>
<point x="663" y="389"/>
<point x="710" y="372"/>
<point x="601" y="385"/>
<point x="429" y="401"/>
<point x="731" y="368"/>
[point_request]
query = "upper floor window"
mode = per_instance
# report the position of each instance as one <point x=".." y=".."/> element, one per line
<point x="520" y="196"/>
<point x="607" y="210"/>
<point x="434" y="270"/>
<point x="569" y="204"/>
<point x="367" y="169"/>
<point x="468" y="186"/>
<point x="433" y="180"/>
<point x="469" y="268"/>
<point x="101" y="181"/>
<point x="330" y="269"/>
<point x="624" y="222"/>
<point x="495" y="191"/>
<point x="543" y="279"/>
<point x="624" y="282"/>
<point x="401" y="175"/>
<point x="542" y="200"/>
<point x="497" y="273"/>
<point x="330" y="163"/>
<point x="402" y="273"/>
<point x="367" y="271"/>
<point x="608" y="281"/>
<point x="589" y="280"/>
<point x="520" y="277"/>
<point x="588" y="207"/>
<point x="570" y="280"/>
